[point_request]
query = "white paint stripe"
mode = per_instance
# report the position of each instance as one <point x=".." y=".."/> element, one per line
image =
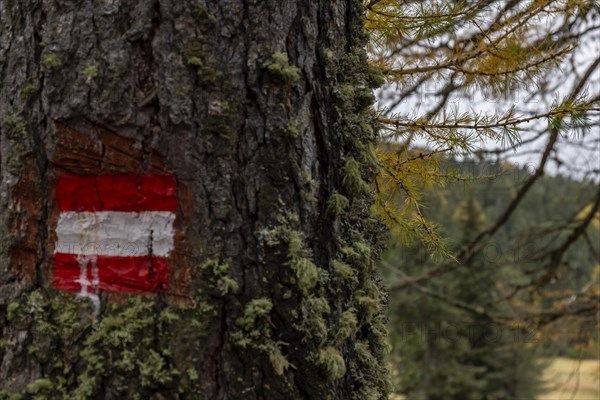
<point x="113" y="233"/>
<point x="85" y="283"/>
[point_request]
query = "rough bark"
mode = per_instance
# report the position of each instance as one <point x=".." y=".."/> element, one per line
<point x="261" y="109"/>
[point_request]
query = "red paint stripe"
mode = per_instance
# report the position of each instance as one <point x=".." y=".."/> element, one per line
<point x="116" y="193"/>
<point x="116" y="274"/>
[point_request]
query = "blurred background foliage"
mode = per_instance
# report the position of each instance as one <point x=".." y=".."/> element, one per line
<point x="489" y="169"/>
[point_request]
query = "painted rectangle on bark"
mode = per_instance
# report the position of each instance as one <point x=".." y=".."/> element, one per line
<point x="114" y="233"/>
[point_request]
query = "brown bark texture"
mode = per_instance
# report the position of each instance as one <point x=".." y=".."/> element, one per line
<point x="262" y="111"/>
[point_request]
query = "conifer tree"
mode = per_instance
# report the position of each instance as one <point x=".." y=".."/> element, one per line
<point x="258" y="116"/>
<point x="443" y="351"/>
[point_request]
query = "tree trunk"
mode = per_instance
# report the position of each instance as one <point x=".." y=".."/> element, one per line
<point x="261" y="111"/>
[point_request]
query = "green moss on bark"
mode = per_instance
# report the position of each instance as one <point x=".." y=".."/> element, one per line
<point x="337" y="204"/>
<point x="217" y="273"/>
<point x="353" y="273"/>
<point x="90" y="71"/>
<point x="278" y="66"/>
<point x="134" y="342"/>
<point x="331" y="361"/>
<point x="52" y="60"/>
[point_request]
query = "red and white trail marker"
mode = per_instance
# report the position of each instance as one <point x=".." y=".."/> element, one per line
<point x="114" y="233"/>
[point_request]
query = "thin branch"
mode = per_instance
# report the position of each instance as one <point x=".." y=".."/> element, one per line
<point x="467" y="253"/>
<point x="499" y="124"/>
<point x="556" y="256"/>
